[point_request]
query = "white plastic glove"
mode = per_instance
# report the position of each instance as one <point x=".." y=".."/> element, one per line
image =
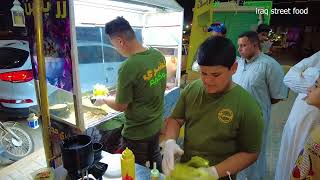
<point x="212" y="171"/>
<point x="99" y="100"/>
<point x="171" y="150"/>
<point x="195" y="66"/>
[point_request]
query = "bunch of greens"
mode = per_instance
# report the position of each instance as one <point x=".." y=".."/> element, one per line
<point x="191" y="170"/>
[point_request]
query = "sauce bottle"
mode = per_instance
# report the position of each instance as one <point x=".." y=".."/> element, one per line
<point x="154" y="172"/>
<point x="127" y="165"/>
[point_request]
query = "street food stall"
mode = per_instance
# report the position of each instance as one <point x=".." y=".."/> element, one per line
<point x="79" y="57"/>
<point x="237" y="18"/>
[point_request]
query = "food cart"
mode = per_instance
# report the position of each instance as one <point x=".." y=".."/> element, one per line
<point x="78" y="56"/>
<point x="237" y="18"/>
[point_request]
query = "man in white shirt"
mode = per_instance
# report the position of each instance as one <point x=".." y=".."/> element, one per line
<point x="262" y="76"/>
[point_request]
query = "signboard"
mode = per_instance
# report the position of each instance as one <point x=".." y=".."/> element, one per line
<point x="57" y="41"/>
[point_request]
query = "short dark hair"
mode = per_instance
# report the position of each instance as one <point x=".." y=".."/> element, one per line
<point x="216" y="51"/>
<point x="252" y="36"/>
<point x="263" y="28"/>
<point x="119" y="27"/>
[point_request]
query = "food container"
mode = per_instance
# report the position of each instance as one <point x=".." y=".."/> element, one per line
<point x="33" y="121"/>
<point x="43" y="174"/>
<point x="100" y="90"/>
<point x="77" y="153"/>
<point x="60" y="110"/>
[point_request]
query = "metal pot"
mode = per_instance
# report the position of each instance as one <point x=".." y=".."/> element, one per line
<point x="77" y="153"/>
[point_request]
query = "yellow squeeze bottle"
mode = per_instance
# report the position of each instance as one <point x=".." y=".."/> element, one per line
<point x="127" y="165"/>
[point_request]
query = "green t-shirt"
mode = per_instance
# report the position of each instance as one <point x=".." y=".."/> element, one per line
<point x="141" y="85"/>
<point x="219" y="125"/>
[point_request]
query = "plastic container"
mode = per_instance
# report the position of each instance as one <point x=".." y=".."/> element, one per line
<point x="127" y="165"/>
<point x="43" y="174"/>
<point x="33" y="121"/>
<point x="100" y="90"/>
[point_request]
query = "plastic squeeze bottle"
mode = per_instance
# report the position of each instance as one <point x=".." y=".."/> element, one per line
<point x="154" y="172"/>
<point x="127" y="165"/>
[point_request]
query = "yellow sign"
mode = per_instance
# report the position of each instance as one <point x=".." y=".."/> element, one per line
<point x="225" y="115"/>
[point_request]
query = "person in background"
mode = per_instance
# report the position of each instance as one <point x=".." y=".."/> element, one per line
<point x="307" y="164"/>
<point x="302" y="116"/>
<point x="140" y="92"/>
<point x="263" y="33"/>
<point x="223" y="122"/>
<point x="262" y="76"/>
<point x="216" y="29"/>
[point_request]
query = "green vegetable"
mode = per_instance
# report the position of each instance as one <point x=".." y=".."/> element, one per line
<point x="191" y="170"/>
<point x="198" y="162"/>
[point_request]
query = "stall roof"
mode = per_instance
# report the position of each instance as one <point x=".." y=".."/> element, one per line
<point x="169" y="4"/>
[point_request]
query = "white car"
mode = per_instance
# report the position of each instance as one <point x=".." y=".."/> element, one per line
<point x="17" y="92"/>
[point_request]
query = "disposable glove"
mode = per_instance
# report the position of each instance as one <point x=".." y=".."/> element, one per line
<point x="98" y="100"/>
<point x="171" y="150"/>
<point x="212" y="171"/>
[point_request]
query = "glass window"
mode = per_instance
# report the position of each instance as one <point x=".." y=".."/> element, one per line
<point x="89" y="54"/>
<point x="111" y="55"/>
<point x="91" y="34"/>
<point x="12" y="57"/>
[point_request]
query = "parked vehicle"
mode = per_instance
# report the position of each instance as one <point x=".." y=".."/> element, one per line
<point x="17" y="92"/>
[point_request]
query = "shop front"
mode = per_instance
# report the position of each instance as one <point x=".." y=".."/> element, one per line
<point x="79" y="57"/>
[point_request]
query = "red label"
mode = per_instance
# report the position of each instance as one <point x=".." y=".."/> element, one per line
<point x="127" y="177"/>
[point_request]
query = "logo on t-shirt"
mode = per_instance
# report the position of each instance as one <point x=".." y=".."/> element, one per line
<point x="154" y="76"/>
<point x="225" y="115"/>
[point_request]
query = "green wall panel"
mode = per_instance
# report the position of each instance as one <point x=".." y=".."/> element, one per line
<point x="264" y="4"/>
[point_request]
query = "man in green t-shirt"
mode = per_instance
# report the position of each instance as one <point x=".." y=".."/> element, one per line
<point x="140" y="92"/>
<point x="223" y="122"/>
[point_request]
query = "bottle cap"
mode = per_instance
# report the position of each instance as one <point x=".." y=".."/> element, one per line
<point x="148" y="164"/>
<point x="32" y="117"/>
<point x="127" y="154"/>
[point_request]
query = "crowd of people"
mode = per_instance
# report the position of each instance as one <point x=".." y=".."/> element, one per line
<point x="225" y="113"/>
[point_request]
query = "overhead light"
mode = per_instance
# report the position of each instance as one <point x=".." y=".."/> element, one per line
<point x="17" y="15"/>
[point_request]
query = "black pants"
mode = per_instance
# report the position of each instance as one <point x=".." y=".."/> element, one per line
<point x="145" y="150"/>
